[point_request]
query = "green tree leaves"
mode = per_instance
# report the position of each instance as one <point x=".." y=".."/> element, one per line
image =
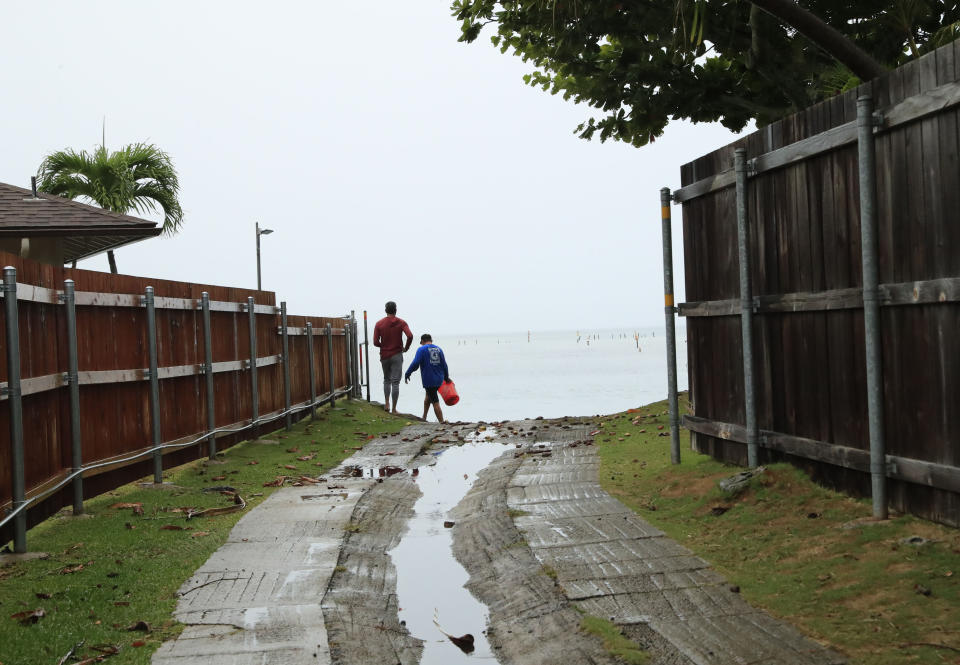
<point x="641" y="63"/>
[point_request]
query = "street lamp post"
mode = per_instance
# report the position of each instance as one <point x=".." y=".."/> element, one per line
<point x="260" y="232"/>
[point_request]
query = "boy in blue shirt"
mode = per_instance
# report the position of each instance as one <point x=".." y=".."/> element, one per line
<point x="433" y="372"/>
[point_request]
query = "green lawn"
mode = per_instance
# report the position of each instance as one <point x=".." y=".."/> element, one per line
<point x="114" y="568"/>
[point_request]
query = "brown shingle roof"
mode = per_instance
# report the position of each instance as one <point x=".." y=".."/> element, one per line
<point x="86" y="229"/>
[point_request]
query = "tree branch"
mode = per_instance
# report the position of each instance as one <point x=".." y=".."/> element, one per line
<point x="830" y="39"/>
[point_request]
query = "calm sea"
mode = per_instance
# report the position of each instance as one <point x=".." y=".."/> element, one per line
<point x="549" y="374"/>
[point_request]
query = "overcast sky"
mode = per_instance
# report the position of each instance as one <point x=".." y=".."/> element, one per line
<point x="392" y="161"/>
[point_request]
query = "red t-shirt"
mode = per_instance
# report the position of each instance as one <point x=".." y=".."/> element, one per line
<point x="388" y="335"/>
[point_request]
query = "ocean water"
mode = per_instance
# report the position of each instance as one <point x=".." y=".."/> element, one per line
<point x="549" y="374"/>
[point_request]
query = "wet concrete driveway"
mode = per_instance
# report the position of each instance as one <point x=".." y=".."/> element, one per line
<point x="370" y="567"/>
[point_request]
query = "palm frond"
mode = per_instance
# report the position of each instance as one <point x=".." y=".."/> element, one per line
<point x="138" y="177"/>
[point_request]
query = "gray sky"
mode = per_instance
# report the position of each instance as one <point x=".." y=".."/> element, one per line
<point x="392" y="161"/>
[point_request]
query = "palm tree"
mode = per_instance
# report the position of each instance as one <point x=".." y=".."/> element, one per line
<point x="139" y="177"/>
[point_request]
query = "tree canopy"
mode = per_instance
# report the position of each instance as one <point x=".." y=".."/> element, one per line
<point x="139" y="177"/>
<point x="641" y="63"/>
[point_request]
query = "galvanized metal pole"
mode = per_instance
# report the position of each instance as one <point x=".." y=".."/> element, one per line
<point x="15" y="402"/>
<point x="347" y="343"/>
<point x="257" y="229"/>
<point x="254" y="390"/>
<point x="670" y="314"/>
<point x="355" y="350"/>
<point x="366" y="348"/>
<point x="313" y="381"/>
<point x="746" y="306"/>
<point x="73" y="376"/>
<point x="208" y="370"/>
<point x="871" y="304"/>
<point x="359" y="351"/>
<point x="330" y="363"/>
<point x="154" y="385"/>
<point x="287" y="419"/>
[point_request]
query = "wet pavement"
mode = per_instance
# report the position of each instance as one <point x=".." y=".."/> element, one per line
<point x="370" y="568"/>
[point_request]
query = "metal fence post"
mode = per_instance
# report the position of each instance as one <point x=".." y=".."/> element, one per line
<point x="871" y="304"/>
<point x="76" y="450"/>
<point x="366" y="348"/>
<point x="330" y="364"/>
<point x="670" y="318"/>
<point x="254" y="389"/>
<point x="746" y="306"/>
<point x="286" y="365"/>
<point x="208" y="370"/>
<point x="355" y="350"/>
<point x="15" y="400"/>
<point x="154" y="385"/>
<point x="313" y="381"/>
<point x="347" y="343"/>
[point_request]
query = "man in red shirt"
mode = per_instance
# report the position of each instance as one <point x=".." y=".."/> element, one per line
<point x="388" y="335"/>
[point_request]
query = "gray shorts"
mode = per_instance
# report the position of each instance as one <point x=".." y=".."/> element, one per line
<point x="392" y="369"/>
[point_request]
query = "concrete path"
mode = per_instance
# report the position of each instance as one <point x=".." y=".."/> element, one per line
<point x="306" y="578"/>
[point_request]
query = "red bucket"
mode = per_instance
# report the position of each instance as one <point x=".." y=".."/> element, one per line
<point x="448" y="392"/>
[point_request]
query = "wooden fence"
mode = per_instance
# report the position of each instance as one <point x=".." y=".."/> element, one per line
<point x="113" y="354"/>
<point x="808" y="328"/>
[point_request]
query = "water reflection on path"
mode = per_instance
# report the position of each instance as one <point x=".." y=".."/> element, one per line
<point x="429" y="579"/>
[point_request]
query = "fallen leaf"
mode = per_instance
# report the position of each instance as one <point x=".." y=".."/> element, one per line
<point x="29" y="616"/>
<point x="47" y="596"/>
<point x="171" y="527"/>
<point x="199" y="534"/>
<point x="305" y="458"/>
<point x="139" y="643"/>
<point x="252" y="462"/>
<point x="129" y="526"/>
<point x="140" y="625"/>
<point x="71" y="569"/>
<point x="121" y="603"/>
<point x="289" y="466"/>
<point x="126" y="505"/>
<point x="295" y="449"/>
<point x="276" y="483"/>
<point x="219" y="478"/>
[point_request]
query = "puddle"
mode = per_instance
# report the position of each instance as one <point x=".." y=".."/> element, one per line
<point x="429" y="579"/>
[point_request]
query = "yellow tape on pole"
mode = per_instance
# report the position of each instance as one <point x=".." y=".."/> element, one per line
<point x="665" y="212"/>
<point x="668" y="300"/>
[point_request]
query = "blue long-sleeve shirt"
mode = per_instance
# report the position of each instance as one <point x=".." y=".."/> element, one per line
<point x="432" y="365"/>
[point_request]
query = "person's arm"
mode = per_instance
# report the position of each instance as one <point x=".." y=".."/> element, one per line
<point x="377" y="337"/>
<point x="443" y="363"/>
<point x="413" y="366"/>
<point x="406" y="331"/>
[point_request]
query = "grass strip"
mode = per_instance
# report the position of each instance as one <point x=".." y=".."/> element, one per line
<point x="112" y="575"/>
<point x="882" y="593"/>
<point x="614" y="641"/>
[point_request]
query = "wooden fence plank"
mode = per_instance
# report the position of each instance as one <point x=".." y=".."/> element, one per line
<point x="805" y="254"/>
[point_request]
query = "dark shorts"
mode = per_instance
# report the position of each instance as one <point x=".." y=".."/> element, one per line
<point x="432" y="395"/>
